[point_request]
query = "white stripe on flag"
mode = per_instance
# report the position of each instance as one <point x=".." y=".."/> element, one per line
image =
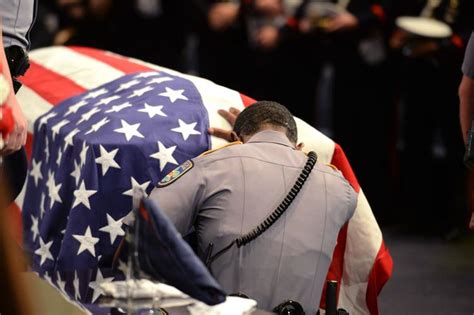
<point x="83" y="70"/>
<point x="364" y="239"/>
<point x="216" y="97"/>
<point x="21" y="196"/>
<point x="315" y="141"/>
<point x="32" y="105"/>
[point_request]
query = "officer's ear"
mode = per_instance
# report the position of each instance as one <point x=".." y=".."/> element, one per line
<point x="234" y="137"/>
<point x="300" y="146"/>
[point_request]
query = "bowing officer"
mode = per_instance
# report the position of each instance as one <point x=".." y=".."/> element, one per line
<point x="225" y="194"/>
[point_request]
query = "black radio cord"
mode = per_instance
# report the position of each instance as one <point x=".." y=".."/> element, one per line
<point x="273" y="217"/>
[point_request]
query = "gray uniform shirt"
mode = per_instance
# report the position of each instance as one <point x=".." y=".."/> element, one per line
<point x="17" y="19"/>
<point x="229" y="192"/>
<point x="468" y="65"/>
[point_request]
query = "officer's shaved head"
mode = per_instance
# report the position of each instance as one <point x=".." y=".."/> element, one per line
<point x="262" y="114"/>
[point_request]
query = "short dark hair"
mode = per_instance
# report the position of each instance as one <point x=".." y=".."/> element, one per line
<point x="251" y="119"/>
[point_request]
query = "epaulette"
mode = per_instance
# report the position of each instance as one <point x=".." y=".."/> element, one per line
<point x="217" y="149"/>
<point x="332" y="166"/>
<point x="176" y="173"/>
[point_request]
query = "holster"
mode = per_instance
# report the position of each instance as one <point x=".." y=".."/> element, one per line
<point x="18" y="63"/>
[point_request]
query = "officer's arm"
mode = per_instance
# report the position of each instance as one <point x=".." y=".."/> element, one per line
<point x="466" y="105"/>
<point x="179" y="195"/>
<point x="466" y="90"/>
<point x="17" y="137"/>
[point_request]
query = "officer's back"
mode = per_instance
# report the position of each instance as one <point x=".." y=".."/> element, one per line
<point x="227" y="193"/>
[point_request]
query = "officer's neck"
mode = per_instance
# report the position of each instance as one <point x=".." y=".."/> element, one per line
<point x="265" y="127"/>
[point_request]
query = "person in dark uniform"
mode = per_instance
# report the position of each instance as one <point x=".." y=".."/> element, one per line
<point x="432" y="174"/>
<point x="351" y="43"/>
<point x="154" y="31"/>
<point x="16" y="21"/>
<point x="357" y="53"/>
<point x="223" y="54"/>
<point x="336" y="40"/>
<point x="226" y="193"/>
<point x="238" y="45"/>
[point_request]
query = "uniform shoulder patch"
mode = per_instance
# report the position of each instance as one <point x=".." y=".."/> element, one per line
<point x="176" y="173"/>
<point x="224" y="146"/>
<point x="332" y="166"/>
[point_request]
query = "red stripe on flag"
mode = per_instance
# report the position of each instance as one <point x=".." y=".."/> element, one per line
<point x="51" y="86"/>
<point x="379" y="275"/>
<point x="247" y="100"/>
<point x="340" y="161"/>
<point x="14" y="214"/>
<point x="337" y="264"/>
<point x="336" y="268"/>
<point x="118" y="62"/>
<point x="29" y="145"/>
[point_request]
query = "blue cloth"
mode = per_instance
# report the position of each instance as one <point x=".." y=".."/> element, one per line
<point x="164" y="255"/>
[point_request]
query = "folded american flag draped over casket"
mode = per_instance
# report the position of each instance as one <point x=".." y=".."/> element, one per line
<point x="103" y="125"/>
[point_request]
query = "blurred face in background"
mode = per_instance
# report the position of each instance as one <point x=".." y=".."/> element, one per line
<point x="80" y="9"/>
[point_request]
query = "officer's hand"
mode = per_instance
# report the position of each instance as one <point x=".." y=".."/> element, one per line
<point x="17" y="138"/>
<point x="230" y="116"/>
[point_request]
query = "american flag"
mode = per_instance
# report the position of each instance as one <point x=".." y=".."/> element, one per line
<point x="104" y="124"/>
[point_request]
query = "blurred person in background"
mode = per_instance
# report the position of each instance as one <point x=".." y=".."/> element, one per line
<point x="256" y="48"/>
<point x="361" y="115"/>
<point x="349" y="44"/>
<point x="224" y="55"/>
<point x="273" y="49"/>
<point x="46" y="24"/>
<point x="432" y="174"/>
<point x="151" y="30"/>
